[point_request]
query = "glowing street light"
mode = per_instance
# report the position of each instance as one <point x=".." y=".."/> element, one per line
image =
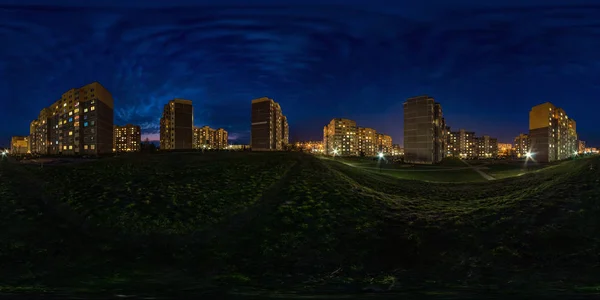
<point x="529" y="154"/>
<point x="380" y="155"/>
<point x="335" y="151"/>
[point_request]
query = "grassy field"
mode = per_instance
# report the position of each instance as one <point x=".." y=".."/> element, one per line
<point x="168" y="223"/>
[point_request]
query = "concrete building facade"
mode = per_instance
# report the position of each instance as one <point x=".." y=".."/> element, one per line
<point x="340" y="137"/>
<point x="19" y="145"/>
<point x="424" y="130"/>
<point x="269" y="127"/>
<point x="127" y="138"/>
<point x="79" y="123"/>
<point x="522" y="145"/>
<point x="552" y="133"/>
<point x="177" y="125"/>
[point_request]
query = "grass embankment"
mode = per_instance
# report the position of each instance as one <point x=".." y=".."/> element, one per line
<point x="284" y="221"/>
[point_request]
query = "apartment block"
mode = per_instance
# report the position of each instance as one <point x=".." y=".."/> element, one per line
<point x="384" y="144"/>
<point x="270" y="130"/>
<point x="581" y="146"/>
<point x="127" y="138"/>
<point x="424" y="130"/>
<point x="310" y="146"/>
<point x="209" y="138"/>
<point x="486" y="147"/>
<point x="367" y="141"/>
<point x="177" y="125"/>
<point x="340" y="137"/>
<point x="522" y="145"/>
<point x="80" y="122"/>
<point x="397" y="150"/>
<point x="552" y="133"/>
<point x="461" y="144"/>
<point x="19" y="145"/>
<point x="505" y="149"/>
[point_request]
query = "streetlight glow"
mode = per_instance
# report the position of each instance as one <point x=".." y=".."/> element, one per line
<point x="380" y="155"/>
<point x="529" y="154"/>
<point x="335" y="151"/>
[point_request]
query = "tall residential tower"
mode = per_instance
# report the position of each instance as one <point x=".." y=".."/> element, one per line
<point x="269" y="131"/>
<point x="177" y="125"/>
<point x="424" y="130"/>
<point x="552" y="133"/>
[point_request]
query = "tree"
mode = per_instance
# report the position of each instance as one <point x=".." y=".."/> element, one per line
<point x="147" y="146"/>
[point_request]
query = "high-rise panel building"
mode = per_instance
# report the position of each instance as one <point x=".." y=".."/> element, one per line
<point x="177" y="125"/>
<point x="424" y="129"/>
<point x="581" y="146"/>
<point x="19" y="145"/>
<point x="285" y="131"/>
<point x="461" y="144"/>
<point x="552" y="133"/>
<point x="209" y="138"/>
<point x="80" y="122"/>
<point x="367" y="141"/>
<point x="486" y="147"/>
<point x="127" y="138"/>
<point x="384" y="144"/>
<point x="269" y="129"/>
<point x="340" y="137"/>
<point x="522" y="145"/>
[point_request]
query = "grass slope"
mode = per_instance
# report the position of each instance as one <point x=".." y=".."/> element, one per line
<point x="172" y="222"/>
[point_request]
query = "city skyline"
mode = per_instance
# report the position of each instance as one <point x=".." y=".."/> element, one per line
<point x="486" y="82"/>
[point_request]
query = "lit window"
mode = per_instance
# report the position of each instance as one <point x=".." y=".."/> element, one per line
<point x="76" y="110"/>
<point x="70" y="147"/>
<point x="92" y="147"/>
<point x="70" y="119"/>
<point x="85" y="110"/>
<point x="93" y="108"/>
<point x="64" y="147"/>
<point x="85" y="124"/>
<point x="64" y="104"/>
<point x="85" y="147"/>
<point x="70" y="113"/>
<point x="76" y="124"/>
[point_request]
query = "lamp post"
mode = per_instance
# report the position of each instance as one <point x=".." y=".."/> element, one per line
<point x="380" y="155"/>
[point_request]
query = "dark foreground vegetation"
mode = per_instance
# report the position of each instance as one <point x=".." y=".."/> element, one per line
<point x="166" y="223"/>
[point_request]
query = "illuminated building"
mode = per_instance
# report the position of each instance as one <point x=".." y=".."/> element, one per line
<point x="367" y="141"/>
<point x="208" y="138"/>
<point x="310" y="146"/>
<point x="580" y="146"/>
<point x="397" y="150"/>
<point x="552" y="133"/>
<point x="80" y="122"/>
<point x="176" y="125"/>
<point x="269" y="131"/>
<point x="424" y="130"/>
<point x="343" y="137"/>
<point x="127" y="138"/>
<point x="522" y="145"/>
<point x="19" y="145"/>
<point x="340" y="137"/>
<point x="238" y="147"/>
<point x="486" y="147"/>
<point x="505" y="149"/>
<point x="461" y="143"/>
<point x="384" y="144"/>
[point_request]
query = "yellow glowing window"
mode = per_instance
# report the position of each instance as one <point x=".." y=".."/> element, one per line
<point x="92" y="147"/>
<point x="85" y="147"/>
<point x="70" y="132"/>
<point x="64" y="105"/>
<point x="70" y="113"/>
<point x="70" y="147"/>
<point x="93" y="108"/>
<point x="64" y="147"/>
<point x="85" y="110"/>
<point x="76" y="110"/>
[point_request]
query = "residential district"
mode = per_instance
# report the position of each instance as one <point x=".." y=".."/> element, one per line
<point x="81" y="122"/>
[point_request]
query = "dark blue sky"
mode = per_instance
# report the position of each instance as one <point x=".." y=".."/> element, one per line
<point x="486" y="63"/>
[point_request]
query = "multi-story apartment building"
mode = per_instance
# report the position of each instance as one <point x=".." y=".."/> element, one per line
<point x="384" y="144"/>
<point x="127" y="138"/>
<point x="177" y="125"/>
<point x="285" y="131"/>
<point x="581" y="146"/>
<point x="340" y="137"/>
<point x="397" y="150"/>
<point x="552" y="133"/>
<point x="522" y="145"/>
<point x="367" y="142"/>
<point x="424" y="130"/>
<point x="269" y="131"/>
<point x="505" y="149"/>
<point x="80" y="122"/>
<point x="486" y="147"/>
<point x="462" y="144"/>
<point x="19" y="145"/>
<point x="209" y="138"/>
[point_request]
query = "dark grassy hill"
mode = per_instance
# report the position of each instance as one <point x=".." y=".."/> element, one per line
<point x="168" y="222"/>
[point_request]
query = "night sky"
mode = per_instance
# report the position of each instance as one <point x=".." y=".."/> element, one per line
<point x="486" y="63"/>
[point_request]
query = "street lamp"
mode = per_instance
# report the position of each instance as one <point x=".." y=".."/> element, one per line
<point x="528" y="154"/>
<point x="380" y="155"/>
